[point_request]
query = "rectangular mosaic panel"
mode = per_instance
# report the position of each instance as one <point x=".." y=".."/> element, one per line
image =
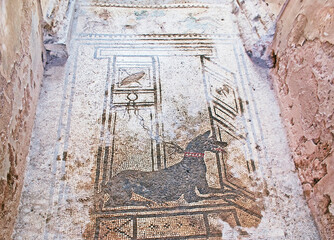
<point x="174" y="157"/>
<point x="146" y="147"/>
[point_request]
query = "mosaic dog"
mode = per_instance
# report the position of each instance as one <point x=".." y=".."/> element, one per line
<point x="167" y="184"/>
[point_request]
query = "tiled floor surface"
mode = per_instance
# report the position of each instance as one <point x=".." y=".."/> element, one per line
<point x="159" y="127"/>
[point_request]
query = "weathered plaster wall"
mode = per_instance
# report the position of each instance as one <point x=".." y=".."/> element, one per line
<point x="21" y="71"/>
<point x="256" y="20"/>
<point x="304" y="80"/>
<point x="275" y="6"/>
<point x="57" y="17"/>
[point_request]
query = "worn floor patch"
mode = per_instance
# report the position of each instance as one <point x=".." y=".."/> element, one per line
<point x="151" y="132"/>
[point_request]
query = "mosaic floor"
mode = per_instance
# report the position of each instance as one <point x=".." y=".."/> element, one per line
<point x="152" y="131"/>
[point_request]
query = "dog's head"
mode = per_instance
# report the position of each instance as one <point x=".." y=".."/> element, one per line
<point x="204" y="142"/>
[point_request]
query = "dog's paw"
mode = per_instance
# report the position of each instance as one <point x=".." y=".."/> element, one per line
<point x="232" y="196"/>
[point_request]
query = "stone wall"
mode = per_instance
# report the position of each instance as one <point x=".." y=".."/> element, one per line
<point x="304" y="80"/>
<point x="21" y="72"/>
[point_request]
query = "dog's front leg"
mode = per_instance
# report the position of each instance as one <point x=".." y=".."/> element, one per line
<point x="204" y="188"/>
<point x="211" y="190"/>
<point x="217" y="193"/>
<point x="191" y="196"/>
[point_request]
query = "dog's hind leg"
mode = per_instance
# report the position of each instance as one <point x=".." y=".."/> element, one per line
<point x="118" y="198"/>
<point x="125" y="198"/>
<point x="139" y="203"/>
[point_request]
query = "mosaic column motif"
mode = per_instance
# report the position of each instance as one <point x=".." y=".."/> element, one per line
<point x="132" y="130"/>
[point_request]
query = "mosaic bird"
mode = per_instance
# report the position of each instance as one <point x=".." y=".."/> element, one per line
<point x="133" y="78"/>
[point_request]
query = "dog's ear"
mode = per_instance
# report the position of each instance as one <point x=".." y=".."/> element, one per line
<point x="206" y="134"/>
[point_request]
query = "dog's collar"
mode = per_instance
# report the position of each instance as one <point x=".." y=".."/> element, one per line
<point x="193" y="154"/>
